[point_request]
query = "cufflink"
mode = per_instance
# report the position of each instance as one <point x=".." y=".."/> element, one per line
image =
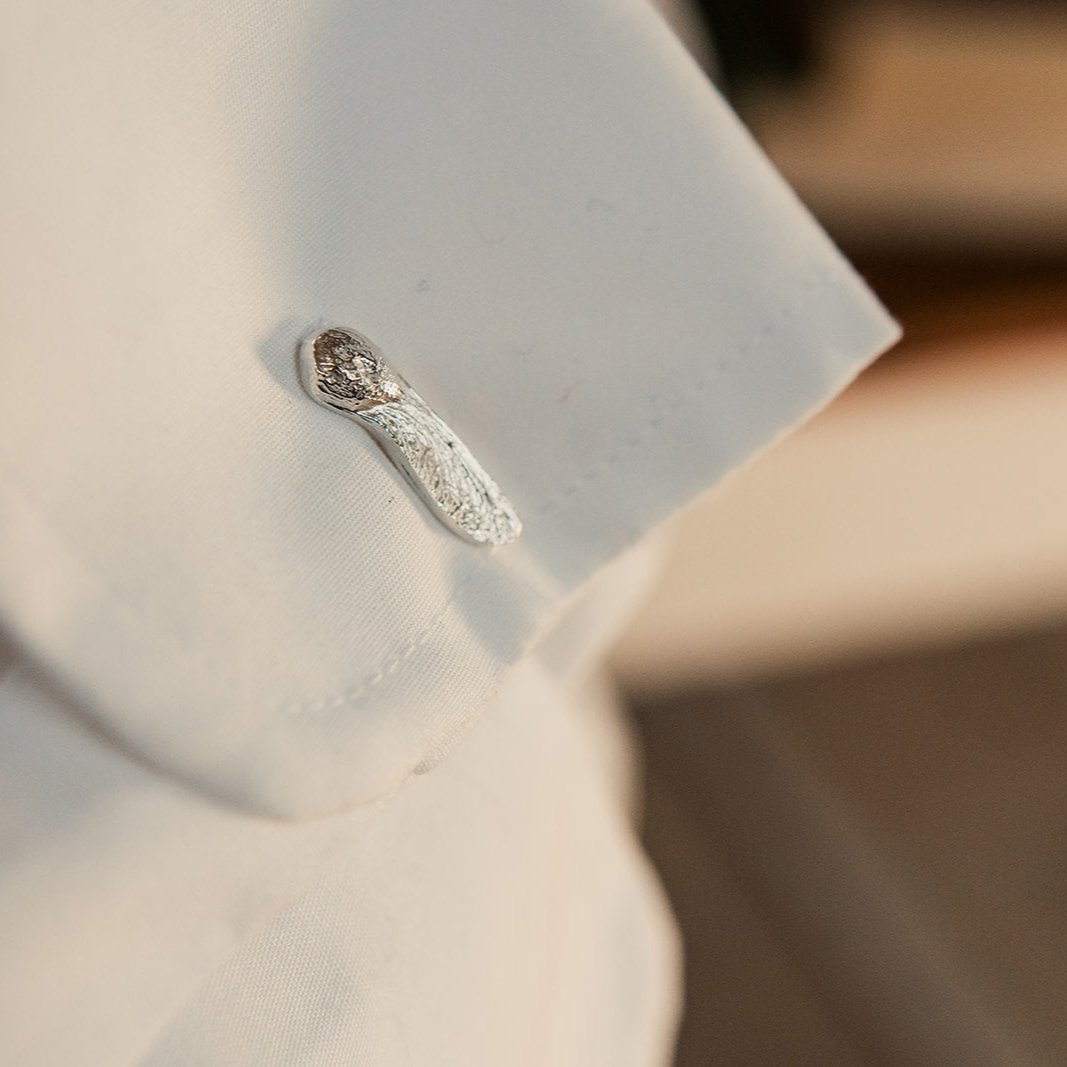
<point x="344" y="371"/>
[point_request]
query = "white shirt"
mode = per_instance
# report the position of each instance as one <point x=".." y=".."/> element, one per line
<point x="239" y="634"/>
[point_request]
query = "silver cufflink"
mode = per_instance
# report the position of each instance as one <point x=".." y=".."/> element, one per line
<point x="344" y="371"/>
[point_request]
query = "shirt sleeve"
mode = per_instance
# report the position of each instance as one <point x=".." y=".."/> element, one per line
<point x="543" y="215"/>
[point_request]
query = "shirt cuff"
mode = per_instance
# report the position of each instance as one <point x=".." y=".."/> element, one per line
<point x="543" y="215"/>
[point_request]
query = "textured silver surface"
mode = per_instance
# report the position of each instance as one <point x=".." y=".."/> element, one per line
<point x="344" y="371"/>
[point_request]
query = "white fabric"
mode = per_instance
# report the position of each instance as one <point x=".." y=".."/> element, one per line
<point x="496" y="911"/>
<point x="231" y="613"/>
<point x="542" y="214"/>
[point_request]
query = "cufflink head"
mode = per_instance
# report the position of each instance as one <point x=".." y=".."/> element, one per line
<point x="347" y="370"/>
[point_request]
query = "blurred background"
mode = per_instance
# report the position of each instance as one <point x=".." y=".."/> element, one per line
<point x="852" y="680"/>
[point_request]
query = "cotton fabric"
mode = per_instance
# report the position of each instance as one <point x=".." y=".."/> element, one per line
<point x="238" y="632"/>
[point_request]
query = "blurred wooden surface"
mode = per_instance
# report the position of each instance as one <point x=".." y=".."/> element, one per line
<point x="868" y="863"/>
<point x="931" y="124"/>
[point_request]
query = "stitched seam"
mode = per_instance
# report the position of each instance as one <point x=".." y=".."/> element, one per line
<point x="591" y="476"/>
<point x="392" y="663"/>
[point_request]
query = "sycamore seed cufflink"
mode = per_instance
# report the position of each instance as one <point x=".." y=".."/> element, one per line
<point x="344" y="371"/>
